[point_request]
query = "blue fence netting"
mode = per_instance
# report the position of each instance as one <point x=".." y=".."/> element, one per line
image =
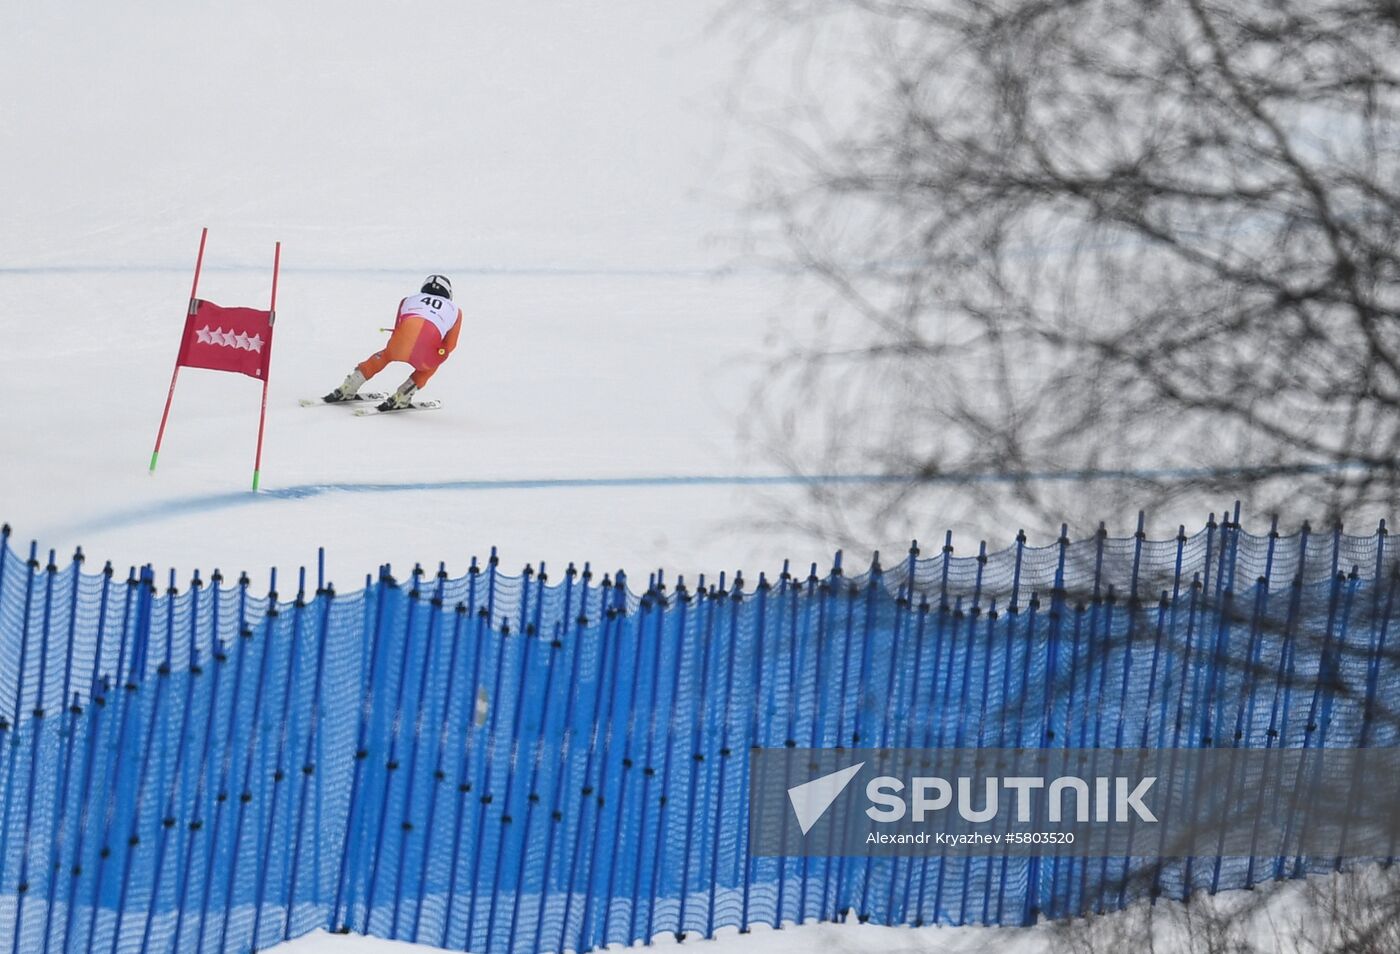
<point x="503" y="763"/>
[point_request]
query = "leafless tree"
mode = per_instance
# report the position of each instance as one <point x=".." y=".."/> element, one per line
<point x="1150" y="246"/>
<point x="1069" y="260"/>
<point x="1357" y="913"/>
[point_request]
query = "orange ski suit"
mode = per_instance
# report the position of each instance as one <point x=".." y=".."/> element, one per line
<point x="416" y="341"/>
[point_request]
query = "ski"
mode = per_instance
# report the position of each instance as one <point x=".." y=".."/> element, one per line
<point x="361" y="398"/>
<point x="415" y="406"/>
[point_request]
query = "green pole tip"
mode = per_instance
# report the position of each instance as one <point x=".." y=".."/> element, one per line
<point x="154" y="455"/>
<point x="257" y="476"/>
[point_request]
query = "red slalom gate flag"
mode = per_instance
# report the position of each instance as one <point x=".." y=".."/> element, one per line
<point x="225" y="339"/>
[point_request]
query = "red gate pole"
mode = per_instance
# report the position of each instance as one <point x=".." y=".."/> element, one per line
<point x="271" y="320"/>
<point x="165" y="415"/>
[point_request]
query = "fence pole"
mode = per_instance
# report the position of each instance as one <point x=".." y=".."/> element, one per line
<point x="481" y="836"/>
<point x="622" y="785"/>
<point x="828" y="590"/>
<point x="184" y="846"/>
<point x="464" y="776"/>
<point x="746" y="861"/>
<point x="295" y="731"/>
<point x="1244" y="724"/>
<point x="1125" y="675"/>
<point x="120" y="790"/>
<point x="10" y="745"/>
<point x="966" y="621"/>
<point x="326" y="597"/>
<point x="1378" y="653"/>
<point x="696" y="758"/>
<point x="989" y="645"/>
<point x="395" y="727"/>
<point x="1100" y="650"/>
<point x="58" y="827"/>
<point x="97" y="694"/>
<point x="22" y="889"/>
<point x="62" y="785"/>
<point x="1028" y="639"/>
<point x="1283" y="679"/>
<point x="279" y="772"/>
<point x="168" y="818"/>
<point x="1008" y="656"/>
<point x="245" y="794"/>
<point x="591" y="791"/>
<point x="649" y="847"/>
<point x="726" y="691"/>
<point x="787" y="621"/>
<point x="540" y="745"/>
<point x="75" y="871"/>
<point x="341" y="923"/>
<point x="814" y="606"/>
<point x="406" y="826"/>
<point x="1047" y="722"/>
<point x="1343" y="590"/>
<point x="449" y="695"/>
<point x="147" y="742"/>
<point x="617" y="621"/>
<point x="507" y="817"/>
<point x="566" y="750"/>
<point x="1329" y="676"/>
<point x="561" y="770"/>
<point x="874" y="590"/>
<point x="112" y="777"/>
<point x="5" y="552"/>
<point x="973" y="617"/>
<point x="916" y="681"/>
<point x="895" y="703"/>
<point x="682" y="604"/>
<point x="362" y="853"/>
<point x="244" y="637"/>
<point x="75" y="570"/>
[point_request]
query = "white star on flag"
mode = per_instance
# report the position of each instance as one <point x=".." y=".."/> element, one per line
<point x="239" y="341"/>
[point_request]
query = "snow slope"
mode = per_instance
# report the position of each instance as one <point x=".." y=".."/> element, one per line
<point x="566" y="165"/>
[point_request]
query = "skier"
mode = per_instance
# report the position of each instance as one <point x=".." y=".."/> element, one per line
<point x="425" y="333"/>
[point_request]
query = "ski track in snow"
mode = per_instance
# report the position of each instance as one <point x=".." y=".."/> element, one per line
<point x="207" y="503"/>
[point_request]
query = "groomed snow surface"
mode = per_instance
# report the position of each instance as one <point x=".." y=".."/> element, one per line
<point x="570" y="166"/>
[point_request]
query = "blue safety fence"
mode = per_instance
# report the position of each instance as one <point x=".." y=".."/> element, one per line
<point x="502" y="763"/>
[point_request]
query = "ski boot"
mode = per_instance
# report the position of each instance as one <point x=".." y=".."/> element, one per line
<point x="401" y="398"/>
<point x="348" y="389"/>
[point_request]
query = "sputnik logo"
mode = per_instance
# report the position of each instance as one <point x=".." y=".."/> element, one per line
<point x="810" y="800"/>
<point x="227" y="339"/>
